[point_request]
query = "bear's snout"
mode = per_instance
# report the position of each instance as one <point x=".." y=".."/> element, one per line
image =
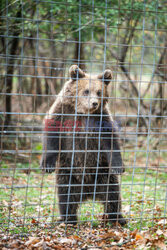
<point x="95" y="104"/>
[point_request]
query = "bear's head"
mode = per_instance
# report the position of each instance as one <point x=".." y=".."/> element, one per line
<point x="91" y="91"/>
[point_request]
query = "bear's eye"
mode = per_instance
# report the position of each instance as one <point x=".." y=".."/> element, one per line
<point x="99" y="92"/>
<point x="86" y="92"/>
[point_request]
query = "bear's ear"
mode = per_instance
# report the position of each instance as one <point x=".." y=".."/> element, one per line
<point x="75" y="72"/>
<point x="106" y="76"/>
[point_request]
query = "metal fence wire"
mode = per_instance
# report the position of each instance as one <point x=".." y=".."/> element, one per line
<point x="109" y="113"/>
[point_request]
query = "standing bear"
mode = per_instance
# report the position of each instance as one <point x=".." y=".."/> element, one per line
<point x="81" y="142"/>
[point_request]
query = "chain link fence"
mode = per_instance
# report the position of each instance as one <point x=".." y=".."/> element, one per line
<point x="39" y="41"/>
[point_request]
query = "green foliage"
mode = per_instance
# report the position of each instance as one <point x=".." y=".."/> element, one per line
<point x="72" y="20"/>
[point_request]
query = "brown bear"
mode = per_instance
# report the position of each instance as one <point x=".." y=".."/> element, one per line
<point x="81" y="141"/>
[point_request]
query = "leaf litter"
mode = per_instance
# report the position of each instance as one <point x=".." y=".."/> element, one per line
<point x="85" y="237"/>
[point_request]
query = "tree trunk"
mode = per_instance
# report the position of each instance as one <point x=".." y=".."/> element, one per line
<point x="9" y="73"/>
<point x="79" y="55"/>
<point x="163" y="69"/>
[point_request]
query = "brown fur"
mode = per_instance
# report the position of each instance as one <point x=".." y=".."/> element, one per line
<point x="81" y="162"/>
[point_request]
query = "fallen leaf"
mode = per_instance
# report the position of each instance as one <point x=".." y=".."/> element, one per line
<point x="62" y="225"/>
<point x="110" y="235"/>
<point x="162" y="222"/>
<point x="34" y="221"/>
<point x="102" y="243"/>
<point x="161" y="245"/>
<point x="133" y="234"/>
<point x="32" y="241"/>
<point x="159" y="232"/>
<point x="121" y="241"/>
<point x="77" y="238"/>
<point x="67" y="241"/>
<point x="127" y="208"/>
<point x="39" y="244"/>
<point x="14" y="244"/>
<point x="138" y="237"/>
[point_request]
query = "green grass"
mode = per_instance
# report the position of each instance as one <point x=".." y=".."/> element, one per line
<point x="28" y="200"/>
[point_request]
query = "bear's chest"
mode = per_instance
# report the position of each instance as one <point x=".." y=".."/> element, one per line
<point x="83" y="144"/>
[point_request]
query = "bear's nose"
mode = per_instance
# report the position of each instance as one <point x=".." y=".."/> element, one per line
<point x="95" y="104"/>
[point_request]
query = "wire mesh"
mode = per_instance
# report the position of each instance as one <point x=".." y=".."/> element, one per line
<point x="40" y="40"/>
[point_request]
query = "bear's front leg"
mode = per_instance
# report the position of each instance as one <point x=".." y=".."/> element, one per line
<point x="110" y="143"/>
<point x="50" y="154"/>
<point x="69" y="198"/>
<point x="51" y="144"/>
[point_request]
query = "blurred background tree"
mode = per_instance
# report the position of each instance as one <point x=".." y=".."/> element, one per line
<point x="39" y="40"/>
